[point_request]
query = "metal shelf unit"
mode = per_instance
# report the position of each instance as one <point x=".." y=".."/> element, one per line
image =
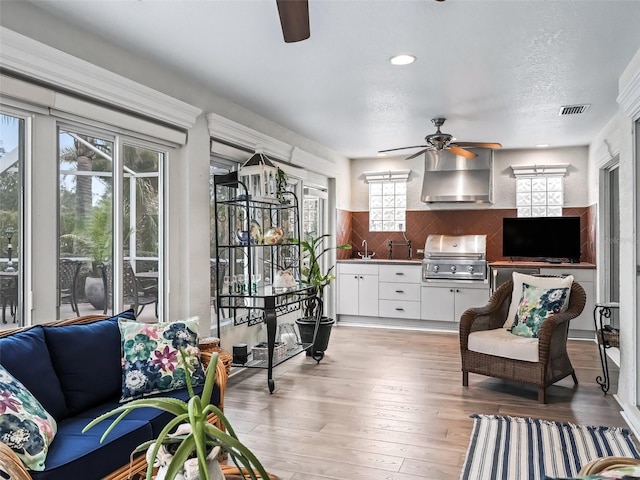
<point x="246" y="268"/>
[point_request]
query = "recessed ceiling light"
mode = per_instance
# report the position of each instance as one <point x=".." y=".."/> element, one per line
<point x="542" y="145"/>
<point x="402" y="59"/>
<point x="382" y="154"/>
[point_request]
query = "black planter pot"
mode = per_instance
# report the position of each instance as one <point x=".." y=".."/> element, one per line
<point x="307" y="325"/>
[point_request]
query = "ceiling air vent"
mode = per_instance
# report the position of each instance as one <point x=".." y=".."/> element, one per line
<point x="573" y="109"/>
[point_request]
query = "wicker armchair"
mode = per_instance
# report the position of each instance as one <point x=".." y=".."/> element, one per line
<point x="553" y="361"/>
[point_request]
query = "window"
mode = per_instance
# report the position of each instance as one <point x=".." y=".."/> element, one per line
<point x="90" y="218"/>
<point x="387" y="201"/>
<point x="12" y="147"/>
<point x="539" y="190"/>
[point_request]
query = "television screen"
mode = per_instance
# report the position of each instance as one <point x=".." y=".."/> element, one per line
<point x="549" y="238"/>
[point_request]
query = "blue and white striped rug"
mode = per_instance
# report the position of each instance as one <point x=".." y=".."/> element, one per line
<point x="513" y="448"/>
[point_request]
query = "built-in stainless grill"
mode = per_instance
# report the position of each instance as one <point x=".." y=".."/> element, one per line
<point x="455" y="257"/>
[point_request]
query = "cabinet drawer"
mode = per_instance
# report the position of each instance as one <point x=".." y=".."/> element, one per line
<point x="399" y="309"/>
<point x="401" y="273"/>
<point x="579" y="274"/>
<point x="358" y="268"/>
<point x="399" y="291"/>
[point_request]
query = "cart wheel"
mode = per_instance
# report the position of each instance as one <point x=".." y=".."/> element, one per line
<point x="317" y="356"/>
<point x="272" y="385"/>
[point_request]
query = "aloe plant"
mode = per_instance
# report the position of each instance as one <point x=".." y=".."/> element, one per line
<point x="203" y="437"/>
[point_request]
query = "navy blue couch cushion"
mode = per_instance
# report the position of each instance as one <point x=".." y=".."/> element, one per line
<point x="87" y="361"/>
<point x="76" y="455"/>
<point x="25" y="356"/>
<point x="157" y="418"/>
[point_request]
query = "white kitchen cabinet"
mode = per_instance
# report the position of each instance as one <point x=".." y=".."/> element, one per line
<point x="399" y="299"/>
<point x="448" y="303"/>
<point x="357" y="289"/>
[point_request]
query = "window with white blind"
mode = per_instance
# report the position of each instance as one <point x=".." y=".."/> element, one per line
<point x="539" y="191"/>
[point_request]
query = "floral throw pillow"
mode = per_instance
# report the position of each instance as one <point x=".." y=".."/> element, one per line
<point x="151" y="357"/>
<point x="25" y="426"/>
<point x="536" y="305"/>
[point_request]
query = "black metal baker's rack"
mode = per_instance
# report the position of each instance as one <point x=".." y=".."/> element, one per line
<point x="240" y="221"/>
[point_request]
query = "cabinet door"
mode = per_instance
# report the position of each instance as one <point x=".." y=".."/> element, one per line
<point x="437" y="303"/>
<point x="468" y="298"/>
<point x="367" y="295"/>
<point x="348" y="294"/>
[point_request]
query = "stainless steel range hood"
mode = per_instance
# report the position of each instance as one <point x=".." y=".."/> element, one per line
<point x="452" y="178"/>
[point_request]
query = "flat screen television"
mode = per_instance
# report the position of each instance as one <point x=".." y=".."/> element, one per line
<point x="547" y="238"/>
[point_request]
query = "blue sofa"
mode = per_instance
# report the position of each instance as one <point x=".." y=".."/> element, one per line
<point x="73" y="368"/>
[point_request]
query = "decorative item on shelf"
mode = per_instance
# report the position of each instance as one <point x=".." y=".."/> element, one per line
<point x="288" y="336"/>
<point x="243" y="237"/>
<point x="284" y="279"/>
<point x="256" y="233"/>
<point x="260" y="351"/>
<point x="274" y="236"/>
<point x="259" y="174"/>
<point x="282" y="180"/>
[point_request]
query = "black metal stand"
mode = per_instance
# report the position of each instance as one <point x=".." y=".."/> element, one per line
<point x="600" y="312"/>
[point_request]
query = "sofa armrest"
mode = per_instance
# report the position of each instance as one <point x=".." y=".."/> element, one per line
<point x="11" y="465"/>
<point x="489" y="317"/>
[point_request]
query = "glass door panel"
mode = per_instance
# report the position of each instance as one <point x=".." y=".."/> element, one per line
<point x="142" y="227"/>
<point x="85" y="222"/>
<point x="12" y="141"/>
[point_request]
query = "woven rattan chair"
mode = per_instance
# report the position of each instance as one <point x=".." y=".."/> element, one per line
<point x="553" y="360"/>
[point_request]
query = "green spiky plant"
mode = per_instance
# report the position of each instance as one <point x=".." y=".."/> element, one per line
<point x="203" y="437"/>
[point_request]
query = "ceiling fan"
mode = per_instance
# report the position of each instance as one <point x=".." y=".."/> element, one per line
<point x="443" y="141"/>
<point x="294" y="19"/>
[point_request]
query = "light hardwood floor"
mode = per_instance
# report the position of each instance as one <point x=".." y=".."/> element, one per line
<point x="389" y="405"/>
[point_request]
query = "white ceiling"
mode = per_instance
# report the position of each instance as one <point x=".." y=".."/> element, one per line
<point x="499" y="71"/>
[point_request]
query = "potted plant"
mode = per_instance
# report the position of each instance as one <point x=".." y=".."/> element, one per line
<point x="313" y="249"/>
<point x="195" y="438"/>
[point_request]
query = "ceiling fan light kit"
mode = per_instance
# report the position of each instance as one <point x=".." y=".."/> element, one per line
<point x="443" y="141"/>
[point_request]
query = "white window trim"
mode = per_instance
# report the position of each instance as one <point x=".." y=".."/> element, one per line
<point x="28" y="57"/>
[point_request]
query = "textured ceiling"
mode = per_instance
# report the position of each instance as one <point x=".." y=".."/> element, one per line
<point x="497" y="70"/>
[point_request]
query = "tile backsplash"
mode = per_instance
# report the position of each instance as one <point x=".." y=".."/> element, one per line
<point x="353" y="227"/>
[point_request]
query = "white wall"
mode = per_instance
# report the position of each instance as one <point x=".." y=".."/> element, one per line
<point x="504" y="183"/>
<point x="617" y="138"/>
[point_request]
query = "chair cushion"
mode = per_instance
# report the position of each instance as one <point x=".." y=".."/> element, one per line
<point x="536" y="305"/>
<point x="25" y="426"/>
<point x="519" y="279"/>
<point x="26" y="357"/>
<point x="502" y="343"/>
<point x="74" y="454"/>
<point x="87" y="361"/>
<point x="152" y="357"/>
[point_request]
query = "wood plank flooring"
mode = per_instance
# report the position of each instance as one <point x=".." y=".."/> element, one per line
<point x="389" y="405"/>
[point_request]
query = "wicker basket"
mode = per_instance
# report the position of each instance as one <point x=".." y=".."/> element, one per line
<point x="609" y="338"/>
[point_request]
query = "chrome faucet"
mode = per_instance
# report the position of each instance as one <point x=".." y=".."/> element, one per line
<point x="366" y="255"/>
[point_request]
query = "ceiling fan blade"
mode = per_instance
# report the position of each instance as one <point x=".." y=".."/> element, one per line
<point x="461" y="151"/>
<point x="294" y="19"/>
<point x="416" y="154"/>
<point x="478" y="144"/>
<point x="401" y="148"/>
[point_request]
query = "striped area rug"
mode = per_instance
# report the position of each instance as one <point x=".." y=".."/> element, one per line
<point x="513" y="448"/>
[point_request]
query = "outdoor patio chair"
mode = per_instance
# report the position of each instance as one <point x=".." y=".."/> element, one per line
<point x="135" y="294"/>
<point x="68" y="271"/>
